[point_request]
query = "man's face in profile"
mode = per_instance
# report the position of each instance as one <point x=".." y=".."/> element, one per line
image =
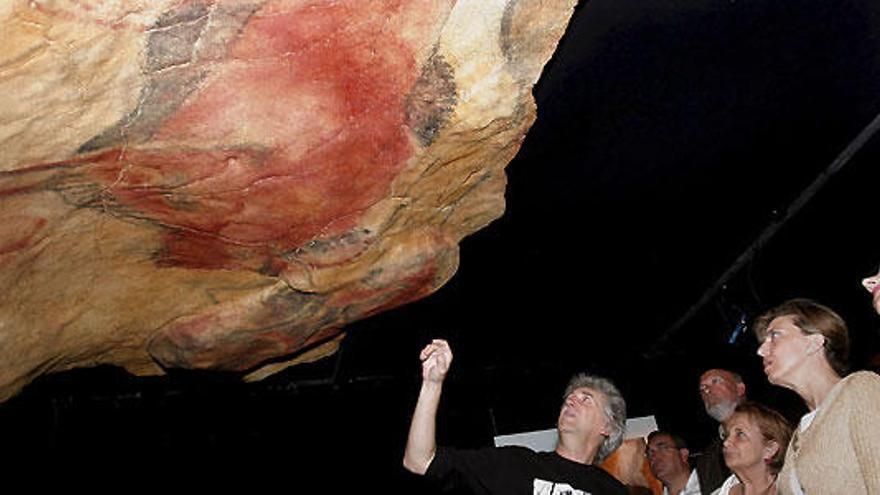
<point x="721" y="392"/>
<point x="665" y="459"/>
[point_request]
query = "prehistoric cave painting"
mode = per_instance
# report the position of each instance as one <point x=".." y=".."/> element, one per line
<point x="235" y="159"/>
<point x="307" y="107"/>
<point x="431" y="100"/>
<point x="180" y="46"/>
<point x="236" y="336"/>
<point x="18" y="232"/>
<point x="175" y="36"/>
<point x="223" y="183"/>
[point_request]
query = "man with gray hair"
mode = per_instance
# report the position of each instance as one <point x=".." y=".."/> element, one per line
<point x="591" y="426"/>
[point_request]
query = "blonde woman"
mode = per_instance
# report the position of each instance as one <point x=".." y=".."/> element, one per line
<point x="755" y="440"/>
<point x="836" y="446"/>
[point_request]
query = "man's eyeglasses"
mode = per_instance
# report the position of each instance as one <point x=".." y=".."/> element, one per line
<point x="657" y="448"/>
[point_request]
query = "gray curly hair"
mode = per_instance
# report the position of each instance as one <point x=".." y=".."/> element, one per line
<point x="615" y="410"/>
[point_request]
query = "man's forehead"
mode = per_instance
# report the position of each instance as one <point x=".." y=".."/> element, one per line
<point x="717" y="373"/>
<point x="596" y="394"/>
<point x="584" y="389"/>
<point x="660" y="439"/>
<point x="588" y="390"/>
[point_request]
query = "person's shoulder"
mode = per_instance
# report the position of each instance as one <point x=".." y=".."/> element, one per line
<point x="859" y="389"/>
<point x="446" y="458"/>
<point x="603" y="478"/>
<point x="507" y="450"/>
<point x="514" y="452"/>
<point x="863" y="377"/>
<point x="612" y="484"/>
<point x="725" y="487"/>
<point x="517" y="450"/>
<point x="862" y="380"/>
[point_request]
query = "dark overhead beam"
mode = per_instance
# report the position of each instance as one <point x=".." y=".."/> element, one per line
<point x="805" y="196"/>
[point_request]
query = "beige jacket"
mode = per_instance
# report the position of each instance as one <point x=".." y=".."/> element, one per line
<point x="840" y="451"/>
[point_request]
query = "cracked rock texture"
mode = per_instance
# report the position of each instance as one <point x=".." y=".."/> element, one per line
<point x="219" y="184"/>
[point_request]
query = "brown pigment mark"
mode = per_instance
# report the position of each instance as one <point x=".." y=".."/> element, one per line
<point x="322" y="335"/>
<point x="233" y="336"/>
<point x="377" y="300"/>
<point x="17" y="232"/>
<point x="237" y="336"/>
<point x="195" y="250"/>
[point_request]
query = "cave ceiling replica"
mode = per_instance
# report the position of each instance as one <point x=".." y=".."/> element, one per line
<point x="227" y="184"/>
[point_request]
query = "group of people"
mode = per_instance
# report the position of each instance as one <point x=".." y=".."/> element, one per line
<point x="804" y="345"/>
<point x="744" y="459"/>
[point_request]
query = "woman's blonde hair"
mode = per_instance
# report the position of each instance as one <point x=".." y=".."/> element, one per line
<point x="813" y="318"/>
<point x="773" y="427"/>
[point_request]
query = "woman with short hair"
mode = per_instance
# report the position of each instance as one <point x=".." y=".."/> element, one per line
<point x="755" y="440"/>
<point x="836" y="446"/>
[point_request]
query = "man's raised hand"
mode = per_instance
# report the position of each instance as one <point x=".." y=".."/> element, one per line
<point x="436" y="358"/>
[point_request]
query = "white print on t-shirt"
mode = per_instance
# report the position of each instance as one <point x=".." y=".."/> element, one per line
<point x="549" y="488"/>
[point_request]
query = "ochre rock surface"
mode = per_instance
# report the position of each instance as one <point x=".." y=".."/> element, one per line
<point x="219" y="184"/>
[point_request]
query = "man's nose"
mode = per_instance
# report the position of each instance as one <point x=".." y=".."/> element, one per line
<point x="871" y="282"/>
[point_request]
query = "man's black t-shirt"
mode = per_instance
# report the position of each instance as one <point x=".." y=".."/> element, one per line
<point x="518" y="470"/>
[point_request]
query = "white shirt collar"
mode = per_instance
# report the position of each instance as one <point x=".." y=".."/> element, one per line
<point x="692" y="487"/>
